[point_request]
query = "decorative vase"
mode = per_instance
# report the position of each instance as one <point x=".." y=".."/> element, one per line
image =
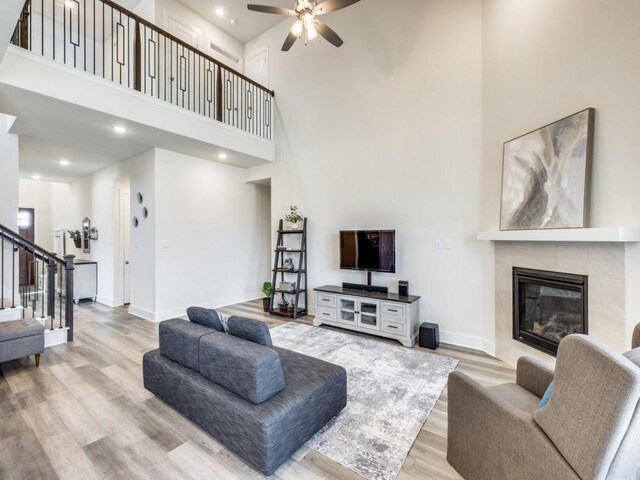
<point x="291" y="306"/>
<point x="294" y="226"/>
<point x="288" y="265"/>
<point x="265" y="303"/>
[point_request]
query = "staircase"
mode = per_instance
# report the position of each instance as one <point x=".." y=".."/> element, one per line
<point x="33" y="284"/>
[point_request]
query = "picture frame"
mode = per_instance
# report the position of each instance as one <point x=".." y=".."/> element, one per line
<point x="546" y="175"/>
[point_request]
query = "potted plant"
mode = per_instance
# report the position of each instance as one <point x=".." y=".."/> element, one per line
<point x="293" y="218"/>
<point x="76" y="237"/>
<point x="267" y="290"/>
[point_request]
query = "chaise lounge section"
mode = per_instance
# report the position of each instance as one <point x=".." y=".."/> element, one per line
<point x="260" y="401"/>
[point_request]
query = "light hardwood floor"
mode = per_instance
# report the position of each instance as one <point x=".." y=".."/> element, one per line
<point x="84" y="414"/>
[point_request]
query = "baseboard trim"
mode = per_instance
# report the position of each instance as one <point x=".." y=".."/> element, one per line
<point x="142" y="313"/>
<point x="109" y="302"/>
<point x="218" y="303"/>
<point x="489" y="347"/>
<point x="462" y="340"/>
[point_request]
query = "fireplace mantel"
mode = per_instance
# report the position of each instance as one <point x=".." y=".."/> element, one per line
<point x="613" y="234"/>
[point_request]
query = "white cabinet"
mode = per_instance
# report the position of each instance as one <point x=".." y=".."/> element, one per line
<point x="385" y="315"/>
<point x="85" y="280"/>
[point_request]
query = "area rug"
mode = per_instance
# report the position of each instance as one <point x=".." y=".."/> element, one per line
<point x="391" y="391"/>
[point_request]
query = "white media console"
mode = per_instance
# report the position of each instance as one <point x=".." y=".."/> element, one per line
<point x="384" y="314"/>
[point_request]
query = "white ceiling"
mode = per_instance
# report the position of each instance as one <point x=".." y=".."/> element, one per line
<point x="249" y="24"/>
<point x="42" y="158"/>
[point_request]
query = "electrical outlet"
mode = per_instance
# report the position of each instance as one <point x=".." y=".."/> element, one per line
<point x="438" y="244"/>
<point x="448" y="244"/>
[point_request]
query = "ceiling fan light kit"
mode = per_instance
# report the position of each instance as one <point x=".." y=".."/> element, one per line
<point x="307" y="26"/>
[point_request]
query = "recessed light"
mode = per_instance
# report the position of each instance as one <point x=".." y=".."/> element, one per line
<point x="70" y="4"/>
<point x="222" y="156"/>
<point x="64" y="163"/>
<point x="36" y="177"/>
<point x="119" y="129"/>
<point x="220" y="12"/>
<point x="233" y="21"/>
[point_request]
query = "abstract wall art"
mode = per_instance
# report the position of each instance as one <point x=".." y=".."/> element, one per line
<point x="546" y="176"/>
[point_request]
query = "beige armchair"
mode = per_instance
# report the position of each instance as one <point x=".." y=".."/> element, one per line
<point x="590" y="429"/>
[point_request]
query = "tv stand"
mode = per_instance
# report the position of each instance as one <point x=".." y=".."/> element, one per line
<point x="378" y="313"/>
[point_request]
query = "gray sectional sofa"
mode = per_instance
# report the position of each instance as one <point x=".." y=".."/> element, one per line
<point x="262" y="402"/>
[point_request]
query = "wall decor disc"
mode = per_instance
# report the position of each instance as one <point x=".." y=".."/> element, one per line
<point x="135" y="222"/>
<point x="140" y="198"/>
<point x="145" y="212"/>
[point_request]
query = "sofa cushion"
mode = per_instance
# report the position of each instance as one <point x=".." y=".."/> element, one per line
<point x="14" y="329"/>
<point x="180" y="341"/>
<point x="633" y="355"/>
<point x="249" y="329"/>
<point x="251" y="371"/>
<point x="519" y="397"/>
<point x="206" y="317"/>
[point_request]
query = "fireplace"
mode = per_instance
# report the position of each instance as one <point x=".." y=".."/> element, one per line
<point x="547" y="306"/>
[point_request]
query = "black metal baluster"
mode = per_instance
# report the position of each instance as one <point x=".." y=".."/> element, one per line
<point x="95" y="34"/>
<point x="61" y="284"/>
<point x="64" y="33"/>
<point x="13" y="272"/>
<point x="51" y="299"/>
<point x="2" y="272"/>
<point x="84" y="14"/>
<point x="111" y="42"/>
<point x="43" y="290"/>
<point x="53" y="8"/>
<point x="104" y="73"/>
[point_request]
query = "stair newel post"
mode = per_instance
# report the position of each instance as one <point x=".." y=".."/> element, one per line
<point x="68" y="282"/>
<point x="51" y="289"/>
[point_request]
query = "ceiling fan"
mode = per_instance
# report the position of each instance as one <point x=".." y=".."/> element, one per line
<point x="307" y="26"/>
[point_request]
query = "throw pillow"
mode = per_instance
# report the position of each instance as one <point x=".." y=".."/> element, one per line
<point x="249" y="329"/>
<point x="546" y="397"/>
<point x="206" y="317"/>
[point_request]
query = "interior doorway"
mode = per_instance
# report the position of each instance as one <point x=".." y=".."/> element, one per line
<point x="123" y="258"/>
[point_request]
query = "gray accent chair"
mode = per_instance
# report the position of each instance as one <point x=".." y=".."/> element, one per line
<point x="590" y="428"/>
<point x="21" y="338"/>
<point x="263" y="403"/>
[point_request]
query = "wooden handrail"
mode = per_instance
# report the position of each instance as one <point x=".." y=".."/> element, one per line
<point x="27" y="245"/>
<point x="183" y="44"/>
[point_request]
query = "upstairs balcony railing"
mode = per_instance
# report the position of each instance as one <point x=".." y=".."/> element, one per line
<point x="107" y="40"/>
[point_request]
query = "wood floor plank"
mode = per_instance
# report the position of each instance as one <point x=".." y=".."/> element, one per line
<point x="84" y="414"/>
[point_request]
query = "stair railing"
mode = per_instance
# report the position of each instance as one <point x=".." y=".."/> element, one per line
<point x="109" y="41"/>
<point x="37" y="279"/>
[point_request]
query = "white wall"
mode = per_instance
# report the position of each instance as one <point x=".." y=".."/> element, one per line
<point x="207" y="32"/>
<point x="95" y="197"/>
<point x="203" y="242"/>
<point x="210" y="234"/>
<point x="9" y="154"/>
<point x="386" y="132"/>
<point x="543" y="60"/>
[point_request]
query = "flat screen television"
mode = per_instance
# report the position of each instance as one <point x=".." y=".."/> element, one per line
<point x="371" y="250"/>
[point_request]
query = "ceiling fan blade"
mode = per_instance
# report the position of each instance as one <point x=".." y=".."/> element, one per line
<point x="268" y="9"/>
<point x="288" y="42"/>
<point x="332" y="6"/>
<point x="331" y="36"/>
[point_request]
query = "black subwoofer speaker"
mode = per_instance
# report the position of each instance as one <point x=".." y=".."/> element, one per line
<point x="429" y="336"/>
<point x="403" y="288"/>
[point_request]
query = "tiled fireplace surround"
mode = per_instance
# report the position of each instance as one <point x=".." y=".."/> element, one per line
<point x="614" y="288"/>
